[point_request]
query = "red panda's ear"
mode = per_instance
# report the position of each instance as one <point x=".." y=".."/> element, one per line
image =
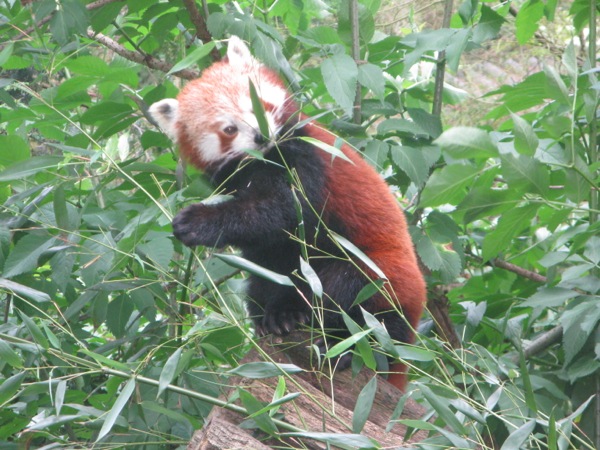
<point x="238" y="53"/>
<point x="165" y="114"/>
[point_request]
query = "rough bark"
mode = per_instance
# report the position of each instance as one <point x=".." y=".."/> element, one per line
<point x="326" y="404"/>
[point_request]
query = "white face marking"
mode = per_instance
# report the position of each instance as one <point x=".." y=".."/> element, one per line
<point x="165" y="114"/>
<point x="210" y="146"/>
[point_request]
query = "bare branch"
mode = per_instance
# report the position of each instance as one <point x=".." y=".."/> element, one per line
<point x="201" y="28"/>
<point x="437" y="305"/>
<point x="541" y="343"/>
<point x="519" y="270"/>
<point x="440" y="71"/>
<point x="140" y="58"/>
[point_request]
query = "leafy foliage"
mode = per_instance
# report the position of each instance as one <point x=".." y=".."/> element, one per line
<point x="115" y="334"/>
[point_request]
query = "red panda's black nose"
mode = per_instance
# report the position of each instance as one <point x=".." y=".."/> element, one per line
<point x="259" y="139"/>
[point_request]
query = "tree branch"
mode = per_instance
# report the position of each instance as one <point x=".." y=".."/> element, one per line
<point x="533" y="276"/>
<point x="541" y="343"/>
<point x="201" y="28"/>
<point x="440" y="69"/>
<point x="140" y="58"/>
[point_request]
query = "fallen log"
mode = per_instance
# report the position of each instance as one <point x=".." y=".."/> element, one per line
<point x="326" y="404"/>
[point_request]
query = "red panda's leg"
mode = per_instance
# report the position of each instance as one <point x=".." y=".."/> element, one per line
<point x="275" y="309"/>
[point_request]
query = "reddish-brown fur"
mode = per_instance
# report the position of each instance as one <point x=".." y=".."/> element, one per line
<point x="382" y="237"/>
<point x="354" y="193"/>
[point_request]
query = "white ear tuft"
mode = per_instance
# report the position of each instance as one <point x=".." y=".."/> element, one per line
<point x="165" y="114"/>
<point x="238" y="53"/>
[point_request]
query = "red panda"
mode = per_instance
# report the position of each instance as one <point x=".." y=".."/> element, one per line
<point x="213" y="122"/>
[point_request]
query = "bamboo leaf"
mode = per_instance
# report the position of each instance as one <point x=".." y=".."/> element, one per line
<point x="115" y="411"/>
<point x="167" y="374"/>
<point x="364" y="403"/>
<point x="242" y="263"/>
<point x="193" y="57"/>
<point x="518" y="437"/>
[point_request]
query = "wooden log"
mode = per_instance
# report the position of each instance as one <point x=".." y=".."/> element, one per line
<point x="325" y="405"/>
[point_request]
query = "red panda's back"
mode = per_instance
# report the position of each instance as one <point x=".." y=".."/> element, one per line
<point x="359" y="198"/>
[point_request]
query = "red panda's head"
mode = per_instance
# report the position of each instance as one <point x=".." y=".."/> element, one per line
<point x="212" y="118"/>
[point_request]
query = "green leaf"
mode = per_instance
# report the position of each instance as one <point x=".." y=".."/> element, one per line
<point x="549" y="297"/>
<point x="430" y="123"/>
<point x="160" y="251"/>
<point x="509" y="226"/>
<point x="9" y="356"/>
<point x="488" y="26"/>
<point x="555" y="86"/>
<point x="483" y="201"/>
<point x="172" y="414"/>
<point x="24" y="257"/>
<point x="448" y="185"/>
<point x="25" y="291"/>
<point x="578" y="323"/>
<point x="167" y="374"/>
<point x="412" y="162"/>
<point x="528" y="19"/>
<point x="259" y="111"/>
<point x="525" y="174"/>
<point x="363" y="406"/>
<point x="344" y="345"/>
<point x="411" y="353"/>
<point x="379" y="332"/>
<point x="6" y="52"/>
<point x="273" y="405"/>
<point x="437" y="257"/>
<point x="518" y="437"/>
<point x="193" y="57"/>
<point x="441" y="406"/>
<point x="252" y="405"/>
<point x="70" y="17"/>
<point x="258" y="370"/>
<point x="400" y="127"/>
<point x="344" y="441"/>
<point x="103" y="360"/>
<point x="106" y="111"/>
<point x="119" y="312"/>
<point x="467" y="143"/>
<point x="334" y="151"/>
<point x="311" y="277"/>
<point x="61" y="214"/>
<point x="36" y="164"/>
<point x="19" y="150"/>
<point x="371" y="77"/>
<point x="59" y="396"/>
<point x="340" y="75"/>
<point x="35" y="331"/>
<point x="10" y="386"/>
<point x="115" y="411"/>
<point x="368" y="291"/>
<point x="526" y="142"/>
<point x="349" y="246"/>
<point x="243" y="264"/>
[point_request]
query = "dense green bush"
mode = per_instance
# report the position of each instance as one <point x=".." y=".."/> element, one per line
<point x="113" y="333"/>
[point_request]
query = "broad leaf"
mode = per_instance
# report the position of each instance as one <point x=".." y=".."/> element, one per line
<point x="467" y="143"/>
<point x="340" y="75"/>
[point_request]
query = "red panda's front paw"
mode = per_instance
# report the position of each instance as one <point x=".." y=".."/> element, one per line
<point x="280" y="322"/>
<point x="187" y="226"/>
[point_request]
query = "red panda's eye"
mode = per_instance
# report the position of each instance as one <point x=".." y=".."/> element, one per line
<point x="230" y="130"/>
